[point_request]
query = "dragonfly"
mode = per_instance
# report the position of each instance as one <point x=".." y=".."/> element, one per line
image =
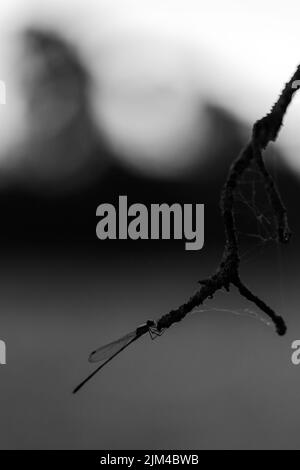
<point x="109" y="351"/>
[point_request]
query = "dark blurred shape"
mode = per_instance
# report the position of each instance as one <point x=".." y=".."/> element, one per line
<point x="59" y="181"/>
<point x="70" y="216"/>
<point x="62" y="137"/>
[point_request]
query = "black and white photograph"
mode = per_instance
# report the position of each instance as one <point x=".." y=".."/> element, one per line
<point x="149" y="228"/>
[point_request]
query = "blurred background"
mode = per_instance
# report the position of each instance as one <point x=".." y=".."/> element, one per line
<point x="152" y="100"/>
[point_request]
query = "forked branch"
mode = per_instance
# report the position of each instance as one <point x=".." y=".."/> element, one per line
<point x="264" y="131"/>
<point x="227" y="273"/>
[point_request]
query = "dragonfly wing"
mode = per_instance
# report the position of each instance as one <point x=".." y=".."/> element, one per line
<point x="104" y="352"/>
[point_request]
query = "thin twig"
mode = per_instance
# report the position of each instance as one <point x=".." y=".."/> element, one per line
<point x="264" y="131"/>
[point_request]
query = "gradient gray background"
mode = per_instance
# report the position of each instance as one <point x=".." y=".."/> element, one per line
<point x="215" y="380"/>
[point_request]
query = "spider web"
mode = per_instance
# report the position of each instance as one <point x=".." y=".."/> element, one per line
<point x="255" y="223"/>
<point x="256" y="229"/>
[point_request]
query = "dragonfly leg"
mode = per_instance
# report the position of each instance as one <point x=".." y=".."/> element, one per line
<point x="159" y="332"/>
<point x="154" y="332"/>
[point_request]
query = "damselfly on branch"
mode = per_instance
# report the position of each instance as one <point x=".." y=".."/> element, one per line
<point x="109" y="351"/>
